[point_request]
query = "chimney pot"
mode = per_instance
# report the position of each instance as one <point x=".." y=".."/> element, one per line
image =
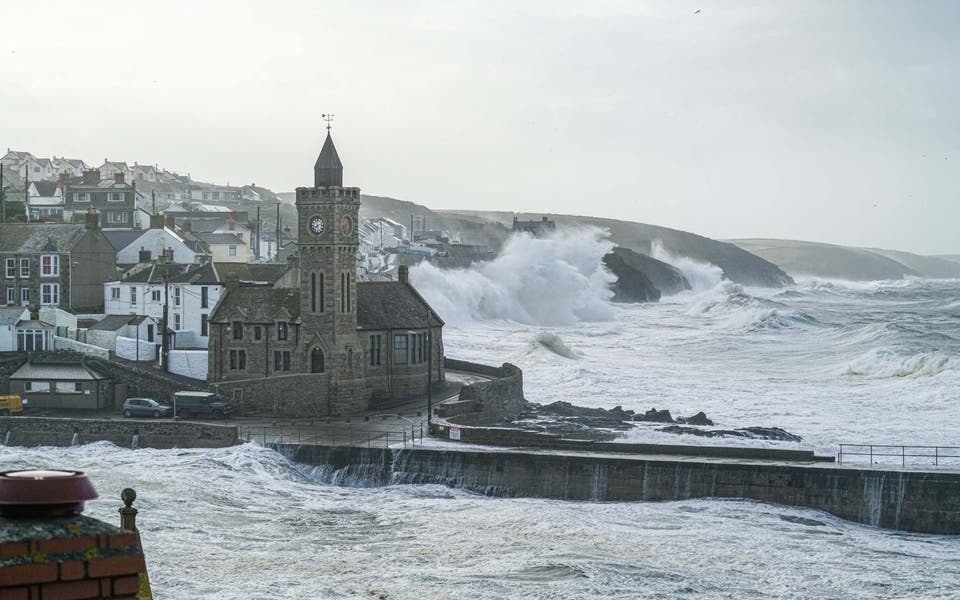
<point x="43" y="494"/>
<point x="403" y="274"/>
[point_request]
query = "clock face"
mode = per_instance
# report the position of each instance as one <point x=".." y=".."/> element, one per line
<point x="316" y="225"/>
<point x="346" y="225"/>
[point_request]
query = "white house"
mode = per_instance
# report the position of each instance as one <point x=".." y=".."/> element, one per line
<point x="45" y="201"/>
<point x="141" y="328"/>
<point x="15" y="158"/>
<point x="37" y="169"/>
<point x="110" y="168"/>
<point x="225" y="247"/>
<point x="10" y="316"/>
<point x="72" y="167"/>
<point x="155" y="241"/>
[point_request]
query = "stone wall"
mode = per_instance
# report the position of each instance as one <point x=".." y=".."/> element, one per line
<point x="147" y="352"/>
<point x="43" y="431"/>
<point x="62" y="343"/>
<point x="485" y="402"/>
<point x="917" y="501"/>
<point x="189" y="363"/>
<point x="144" y="381"/>
<point x="280" y="395"/>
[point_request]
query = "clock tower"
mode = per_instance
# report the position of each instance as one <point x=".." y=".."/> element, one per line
<point x="328" y="216"/>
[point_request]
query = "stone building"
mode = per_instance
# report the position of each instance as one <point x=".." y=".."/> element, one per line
<point x="332" y="345"/>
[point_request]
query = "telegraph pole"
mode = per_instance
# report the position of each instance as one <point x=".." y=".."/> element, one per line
<point x="258" y="234"/>
<point x="165" y="346"/>
<point x="3" y="199"/>
<point x="278" y="232"/>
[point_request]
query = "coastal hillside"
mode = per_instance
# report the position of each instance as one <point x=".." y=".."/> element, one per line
<point x="830" y="261"/>
<point x="738" y="265"/>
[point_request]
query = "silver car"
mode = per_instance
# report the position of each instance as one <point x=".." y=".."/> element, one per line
<point x="145" y="407"/>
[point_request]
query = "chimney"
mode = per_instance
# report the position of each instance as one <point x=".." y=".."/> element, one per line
<point x="403" y="274"/>
<point x="145" y="256"/>
<point x="170" y="221"/>
<point x="166" y="256"/>
<point x="63" y="178"/>
<point x="92" y="220"/>
<point x="156" y="221"/>
<point x="118" y="177"/>
<point x="44" y="494"/>
<point x="186" y="226"/>
<point x="91" y="177"/>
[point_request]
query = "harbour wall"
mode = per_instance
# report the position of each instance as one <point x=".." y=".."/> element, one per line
<point x="915" y="501"/>
<point x="48" y="431"/>
<point x="487" y="401"/>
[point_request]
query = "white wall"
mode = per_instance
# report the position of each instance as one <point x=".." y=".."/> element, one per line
<point x="105" y="340"/>
<point x="127" y="348"/>
<point x="156" y="240"/>
<point x="189" y="309"/>
<point x="61" y="343"/>
<point x="190" y="363"/>
<point x="58" y="317"/>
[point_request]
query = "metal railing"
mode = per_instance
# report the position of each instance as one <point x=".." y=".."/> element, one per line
<point x="891" y="453"/>
<point x="336" y="434"/>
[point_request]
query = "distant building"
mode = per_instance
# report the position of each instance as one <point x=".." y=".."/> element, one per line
<point x="536" y="228"/>
<point x="155" y="241"/>
<point x="110" y="169"/>
<point x="71" y="167"/>
<point x="58" y="384"/>
<point x="45" y="201"/>
<point x="115" y="199"/>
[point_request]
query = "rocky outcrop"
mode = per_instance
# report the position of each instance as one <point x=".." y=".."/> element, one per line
<point x="641" y="278"/>
<point x="752" y="433"/>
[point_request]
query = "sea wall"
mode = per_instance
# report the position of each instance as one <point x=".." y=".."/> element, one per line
<point x="44" y="431"/>
<point x="487" y="401"/>
<point x="924" y="502"/>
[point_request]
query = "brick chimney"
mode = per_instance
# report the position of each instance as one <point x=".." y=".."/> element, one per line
<point x="145" y="255"/>
<point x="118" y="177"/>
<point x="403" y="274"/>
<point x="186" y="226"/>
<point x="156" y="221"/>
<point x="166" y="256"/>
<point x="170" y="221"/>
<point x="92" y="220"/>
<point x="91" y="177"/>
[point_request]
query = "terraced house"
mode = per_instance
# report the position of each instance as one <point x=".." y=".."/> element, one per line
<point x="55" y="264"/>
<point x="115" y="199"/>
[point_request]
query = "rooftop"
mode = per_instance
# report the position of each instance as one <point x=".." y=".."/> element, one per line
<point x="40" y="237"/>
<point x="57" y="372"/>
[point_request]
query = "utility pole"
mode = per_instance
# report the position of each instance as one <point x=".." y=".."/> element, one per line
<point x="258" y="234"/>
<point x="165" y="339"/>
<point x="3" y="198"/>
<point x="278" y="232"/>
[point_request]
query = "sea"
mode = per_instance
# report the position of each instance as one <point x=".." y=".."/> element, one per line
<point x="830" y="361"/>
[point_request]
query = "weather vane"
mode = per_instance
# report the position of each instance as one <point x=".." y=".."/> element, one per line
<point x="328" y="117"/>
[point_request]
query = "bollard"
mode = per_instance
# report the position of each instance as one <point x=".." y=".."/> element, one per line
<point x="128" y="514"/>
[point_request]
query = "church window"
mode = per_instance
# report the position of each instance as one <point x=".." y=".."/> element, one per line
<point x="349" y="303"/>
<point x="401" y="347"/>
<point x="238" y="360"/>
<point x="316" y="361"/>
<point x="257" y="332"/>
<point x="343" y="292"/>
<point x="237" y="330"/>
<point x="281" y="360"/>
<point x="282" y="330"/>
<point x="375" y="343"/>
<point x="313" y="292"/>
<point x="322" y="294"/>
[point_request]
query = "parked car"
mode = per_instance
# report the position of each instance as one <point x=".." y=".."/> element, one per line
<point x="145" y="407"/>
<point x="200" y="404"/>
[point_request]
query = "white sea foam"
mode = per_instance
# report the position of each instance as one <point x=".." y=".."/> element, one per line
<point x="555" y="344"/>
<point x="885" y="363"/>
<point x="701" y="275"/>
<point x="557" y="280"/>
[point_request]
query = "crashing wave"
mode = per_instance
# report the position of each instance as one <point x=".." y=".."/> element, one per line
<point x="883" y="363"/>
<point x="735" y="309"/>
<point x="701" y="276"/>
<point x="557" y="280"/>
<point x="555" y="344"/>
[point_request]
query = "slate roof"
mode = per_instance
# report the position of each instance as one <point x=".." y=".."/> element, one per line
<point x="10" y="315"/>
<point x="219" y="238"/>
<point x="266" y="272"/>
<point x="40" y="237"/>
<point x="258" y="305"/>
<point x="57" y="372"/>
<point x="121" y="238"/>
<point x="175" y="273"/>
<point x="392" y="305"/>
<point x="115" y="322"/>
<point x="45" y="188"/>
<point x="328" y="170"/>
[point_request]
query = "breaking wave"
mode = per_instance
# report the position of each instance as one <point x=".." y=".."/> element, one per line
<point x="735" y="309"/>
<point x="883" y="363"/>
<point x="555" y="344"/>
<point x="557" y="280"/>
<point x="701" y="276"/>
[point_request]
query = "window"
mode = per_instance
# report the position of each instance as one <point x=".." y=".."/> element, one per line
<point x="204" y="325"/>
<point x="400" y="350"/>
<point x="30" y="340"/>
<point x="24" y="296"/>
<point x="116" y="197"/>
<point x="375" y="342"/>
<point x="237" y="330"/>
<point x="204" y="297"/>
<point x="282" y="330"/>
<point x="281" y="360"/>
<point x="68" y="387"/>
<point x="117" y="217"/>
<point x="232" y="250"/>
<point x="81" y="197"/>
<point x="115" y="293"/>
<point x="257" y="332"/>
<point x="176" y="321"/>
<point x="238" y="360"/>
<point x="50" y="294"/>
<point x="11" y="268"/>
<point x="50" y="265"/>
<point x="176" y="296"/>
<point x="37" y="386"/>
<point x="150" y="332"/>
<point x="133" y="295"/>
<point x="343" y="292"/>
<point x="11" y="296"/>
<point x="24" y="268"/>
<point x="316" y="361"/>
<point x="313" y="292"/>
<point x="155" y="295"/>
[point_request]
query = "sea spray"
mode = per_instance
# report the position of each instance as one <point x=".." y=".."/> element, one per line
<point x="701" y="275"/>
<point x="557" y="280"/>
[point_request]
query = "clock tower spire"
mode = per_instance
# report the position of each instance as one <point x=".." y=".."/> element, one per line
<point x="328" y="214"/>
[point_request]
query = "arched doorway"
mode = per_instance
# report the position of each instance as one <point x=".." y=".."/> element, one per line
<point x="316" y="360"/>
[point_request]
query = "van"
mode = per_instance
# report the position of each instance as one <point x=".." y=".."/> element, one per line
<point x="200" y="404"/>
<point x="11" y="405"/>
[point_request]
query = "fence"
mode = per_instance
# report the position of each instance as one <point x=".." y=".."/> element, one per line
<point x="344" y="434"/>
<point x="887" y="454"/>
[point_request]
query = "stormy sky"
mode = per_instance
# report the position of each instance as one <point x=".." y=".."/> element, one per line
<point x="830" y="121"/>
